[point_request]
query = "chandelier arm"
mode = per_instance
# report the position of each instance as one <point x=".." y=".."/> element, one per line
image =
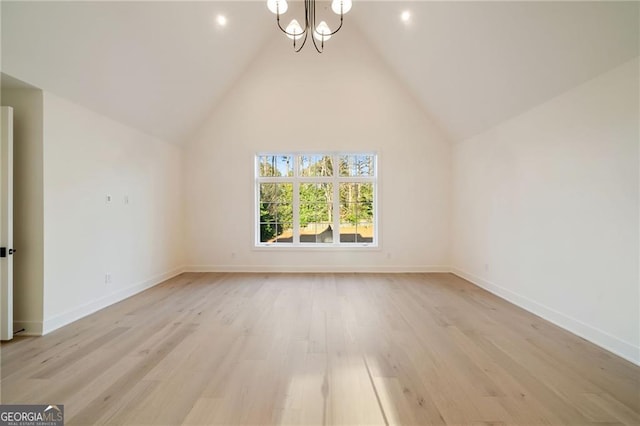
<point x="319" y="50"/>
<point x="312" y="7"/>
<point x="310" y="26"/>
<point x="332" y="32"/>
<point x="310" y="20"/>
<point x="306" y="33"/>
<point x="310" y="12"/>
<point x="337" y="29"/>
<point x="287" y="32"/>
<point x="313" y="28"/>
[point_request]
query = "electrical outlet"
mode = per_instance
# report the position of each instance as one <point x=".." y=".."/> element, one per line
<point x="107" y="278"/>
<point x="126" y="199"/>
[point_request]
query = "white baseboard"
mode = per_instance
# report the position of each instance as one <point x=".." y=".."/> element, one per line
<point x="601" y="338"/>
<point x="317" y="268"/>
<point x="31" y="328"/>
<point x="53" y="323"/>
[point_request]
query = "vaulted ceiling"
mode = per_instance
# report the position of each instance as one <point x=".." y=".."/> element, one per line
<point x="162" y="67"/>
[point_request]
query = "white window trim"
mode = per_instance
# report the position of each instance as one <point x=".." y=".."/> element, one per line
<point x="297" y="180"/>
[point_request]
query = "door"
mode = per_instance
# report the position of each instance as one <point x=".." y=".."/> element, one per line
<point x="6" y="224"/>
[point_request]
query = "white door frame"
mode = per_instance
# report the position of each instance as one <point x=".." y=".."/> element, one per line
<point x="6" y="223"/>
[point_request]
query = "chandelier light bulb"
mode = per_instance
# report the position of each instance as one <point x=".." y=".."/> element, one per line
<point x="341" y="5"/>
<point x="276" y="6"/>
<point x="294" y="28"/>
<point x="322" y="32"/>
<point x="300" y="30"/>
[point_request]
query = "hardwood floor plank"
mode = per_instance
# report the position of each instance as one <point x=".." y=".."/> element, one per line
<point x="311" y="349"/>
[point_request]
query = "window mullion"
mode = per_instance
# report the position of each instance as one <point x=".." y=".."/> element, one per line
<point x="296" y="200"/>
<point x="336" y="202"/>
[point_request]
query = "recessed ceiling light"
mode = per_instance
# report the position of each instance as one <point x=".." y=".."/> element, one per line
<point x="405" y="16"/>
<point x="221" y="20"/>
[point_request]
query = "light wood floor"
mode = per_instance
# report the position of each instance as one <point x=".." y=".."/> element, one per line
<point x="410" y="349"/>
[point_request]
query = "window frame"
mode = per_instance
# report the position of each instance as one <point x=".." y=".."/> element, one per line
<point x="296" y="180"/>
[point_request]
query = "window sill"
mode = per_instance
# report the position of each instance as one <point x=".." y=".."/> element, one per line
<point x="316" y="247"/>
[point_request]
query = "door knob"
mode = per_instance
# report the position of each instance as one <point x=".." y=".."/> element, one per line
<point x="3" y="251"/>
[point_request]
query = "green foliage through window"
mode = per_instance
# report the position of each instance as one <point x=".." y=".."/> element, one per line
<point x="334" y="195"/>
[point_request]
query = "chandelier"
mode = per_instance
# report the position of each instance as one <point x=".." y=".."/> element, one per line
<point x="321" y="32"/>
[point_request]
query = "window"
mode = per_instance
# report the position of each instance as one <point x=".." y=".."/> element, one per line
<point x="316" y="200"/>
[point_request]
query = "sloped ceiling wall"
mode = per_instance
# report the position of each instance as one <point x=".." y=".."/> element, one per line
<point x="156" y="66"/>
<point x="474" y="65"/>
<point x="347" y="101"/>
<point x="162" y="66"/>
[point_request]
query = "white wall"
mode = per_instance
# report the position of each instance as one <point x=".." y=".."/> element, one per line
<point x="343" y="100"/>
<point x="87" y="157"/>
<point x="546" y="210"/>
<point x="28" y="263"/>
